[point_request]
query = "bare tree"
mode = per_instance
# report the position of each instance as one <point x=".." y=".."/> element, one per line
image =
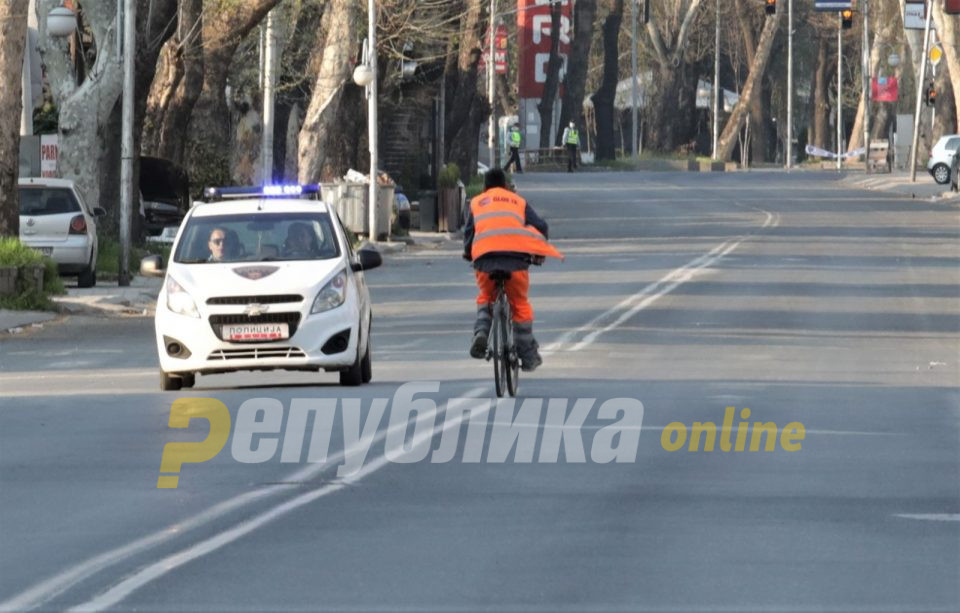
<point x="670" y="104"/>
<point x="466" y="107"/>
<point x="603" y="99"/>
<point x="948" y="26"/>
<point x="575" y="79"/>
<point x="177" y="86"/>
<point x="328" y="141"/>
<point x="13" y="31"/>
<point x="545" y="107"/>
<point x="210" y="133"/>
<point x="757" y="68"/>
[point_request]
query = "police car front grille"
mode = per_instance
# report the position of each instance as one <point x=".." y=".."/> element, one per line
<point x="273" y="299"/>
<point x="257" y="353"/>
<point x="218" y="321"/>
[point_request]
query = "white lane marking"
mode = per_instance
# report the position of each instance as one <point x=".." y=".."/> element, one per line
<point x="50" y="588"/>
<point x="41" y="592"/>
<point x="654" y="291"/>
<point x="930" y="516"/>
<point x="171" y="562"/>
<point x="110" y="374"/>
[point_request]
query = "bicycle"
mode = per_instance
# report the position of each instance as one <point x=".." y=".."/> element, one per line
<point x="501" y="347"/>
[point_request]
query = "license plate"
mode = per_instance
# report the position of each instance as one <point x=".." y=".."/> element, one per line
<point x="44" y="250"/>
<point x="256" y="332"/>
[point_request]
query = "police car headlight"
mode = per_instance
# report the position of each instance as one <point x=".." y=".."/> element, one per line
<point x="179" y="301"/>
<point x="332" y="295"/>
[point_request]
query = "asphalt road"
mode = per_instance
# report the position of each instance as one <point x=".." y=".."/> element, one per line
<point x="688" y="293"/>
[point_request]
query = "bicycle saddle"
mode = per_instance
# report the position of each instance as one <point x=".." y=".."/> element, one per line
<point x="500" y="275"/>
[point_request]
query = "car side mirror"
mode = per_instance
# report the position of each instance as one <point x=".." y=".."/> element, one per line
<point x="99" y="211"/>
<point x="368" y="259"/>
<point x="152" y="266"/>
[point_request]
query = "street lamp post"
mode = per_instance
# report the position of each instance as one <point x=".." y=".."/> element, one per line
<point x="789" y="147"/>
<point x="126" y="139"/>
<point x="492" y="87"/>
<point x="839" y="91"/>
<point x="365" y="75"/>
<point x="920" y="83"/>
<point x="865" y="80"/>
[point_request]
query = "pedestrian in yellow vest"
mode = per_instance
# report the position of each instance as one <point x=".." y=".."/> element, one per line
<point x="515" y="139"/>
<point x="504" y="233"/>
<point x="571" y="139"/>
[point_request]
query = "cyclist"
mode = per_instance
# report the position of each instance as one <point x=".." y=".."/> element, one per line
<point x="504" y="233"/>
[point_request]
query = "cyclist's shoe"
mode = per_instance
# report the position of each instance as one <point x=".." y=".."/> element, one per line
<point x="530" y="361"/>
<point x="478" y="348"/>
<point x="527" y="346"/>
<point x="481" y="330"/>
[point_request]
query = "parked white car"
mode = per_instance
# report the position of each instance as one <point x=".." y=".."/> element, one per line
<point x="262" y="283"/>
<point x="56" y="221"/>
<point x="941" y="157"/>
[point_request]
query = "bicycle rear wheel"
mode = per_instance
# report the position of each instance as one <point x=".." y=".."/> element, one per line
<point x="498" y="338"/>
<point x="512" y="370"/>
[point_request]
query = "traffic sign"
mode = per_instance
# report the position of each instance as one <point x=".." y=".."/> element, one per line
<point x="936" y="54"/>
<point x="833" y="5"/>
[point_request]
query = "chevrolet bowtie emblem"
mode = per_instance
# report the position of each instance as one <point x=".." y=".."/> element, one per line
<point x="255" y="309"/>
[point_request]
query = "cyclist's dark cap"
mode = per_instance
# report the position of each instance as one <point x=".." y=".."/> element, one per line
<point x="495" y="177"/>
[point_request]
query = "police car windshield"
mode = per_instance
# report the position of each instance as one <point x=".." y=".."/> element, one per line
<point x="257" y="237"/>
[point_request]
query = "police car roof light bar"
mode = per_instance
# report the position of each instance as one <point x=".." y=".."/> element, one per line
<point x="307" y="192"/>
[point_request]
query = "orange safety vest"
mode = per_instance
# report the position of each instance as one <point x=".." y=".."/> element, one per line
<point x="499" y="217"/>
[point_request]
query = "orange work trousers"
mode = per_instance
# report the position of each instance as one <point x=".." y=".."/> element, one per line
<point x="516" y="287"/>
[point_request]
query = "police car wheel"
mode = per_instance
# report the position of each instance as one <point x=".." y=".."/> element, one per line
<point x="169" y="383"/>
<point x="366" y="368"/>
<point x="353" y="375"/>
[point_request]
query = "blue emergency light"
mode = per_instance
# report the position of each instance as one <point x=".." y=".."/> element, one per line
<point x="307" y="192"/>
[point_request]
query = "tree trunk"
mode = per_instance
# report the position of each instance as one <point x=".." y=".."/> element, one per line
<point x="669" y="110"/>
<point x="13" y="31"/>
<point x="465" y="106"/>
<point x="575" y="79"/>
<point x="757" y="68"/>
<point x="948" y="26"/>
<point x="328" y="142"/>
<point x="210" y="131"/>
<point x="172" y="100"/>
<point x="85" y="109"/>
<point x="821" y="106"/>
<point x="553" y="78"/>
<point x="603" y="100"/>
<point x="758" y="122"/>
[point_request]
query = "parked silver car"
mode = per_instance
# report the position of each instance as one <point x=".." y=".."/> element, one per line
<point x="56" y="221"/>
<point x="941" y="156"/>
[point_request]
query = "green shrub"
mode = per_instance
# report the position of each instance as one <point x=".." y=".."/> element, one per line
<point x="449" y="175"/>
<point x="26" y="297"/>
<point x="108" y="256"/>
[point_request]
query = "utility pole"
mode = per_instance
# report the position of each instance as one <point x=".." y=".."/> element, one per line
<point x="128" y="55"/>
<point x="492" y="87"/>
<point x="789" y="147"/>
<point x="269" y="85"/>
<point x="633" y="83"/>
<point x="839" y="90"/>
<point x="865" y="71"/>
<point x="372" y="114"/>
<point x="920" y="83"/>
<point x="716" y="81"/>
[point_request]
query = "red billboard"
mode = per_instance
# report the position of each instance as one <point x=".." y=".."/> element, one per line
<point x="884" y="89"/>
<point x="533" y="31"/>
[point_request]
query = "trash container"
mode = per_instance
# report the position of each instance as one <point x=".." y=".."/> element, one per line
<point x="428" y="210"/>
<point x="350" y="200"/>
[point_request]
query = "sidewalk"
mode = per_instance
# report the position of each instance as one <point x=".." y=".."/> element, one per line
<point x="139" y="299"/>
<point x="899" y="182"/>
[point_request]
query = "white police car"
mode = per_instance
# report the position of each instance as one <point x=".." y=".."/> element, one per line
<point x="262" y="279"/>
